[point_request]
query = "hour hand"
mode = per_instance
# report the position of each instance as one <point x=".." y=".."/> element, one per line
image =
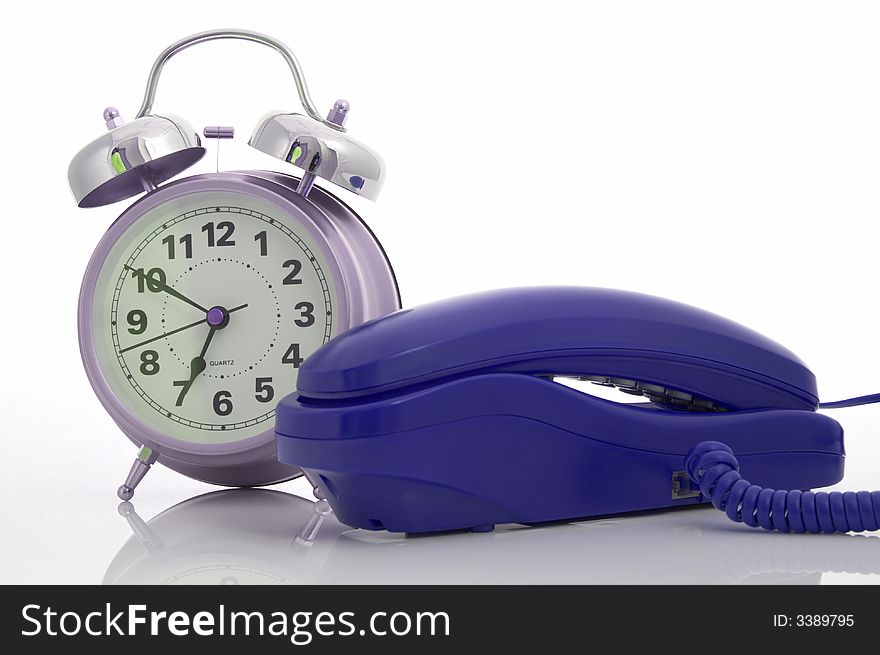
<point x="174" y="292"/>
<point x="154" y="280"/>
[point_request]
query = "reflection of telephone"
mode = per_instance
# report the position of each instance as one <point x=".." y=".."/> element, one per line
<point x="446" y="416"/>
<point x="262" y="536"/>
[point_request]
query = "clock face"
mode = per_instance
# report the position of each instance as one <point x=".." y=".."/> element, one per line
<point x="205" y="308"/>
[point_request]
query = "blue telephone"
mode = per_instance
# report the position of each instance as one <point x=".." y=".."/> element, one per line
<point x="447" y="416"/>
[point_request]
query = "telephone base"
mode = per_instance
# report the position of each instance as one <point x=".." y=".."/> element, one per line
<point x="505" y="448"/>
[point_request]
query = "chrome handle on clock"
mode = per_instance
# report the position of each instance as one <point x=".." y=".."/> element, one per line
<point x="136" y="157"/>
<point x="334" y="119"/>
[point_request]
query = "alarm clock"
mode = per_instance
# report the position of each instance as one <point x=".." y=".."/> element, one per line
<point x="205" y="296"/>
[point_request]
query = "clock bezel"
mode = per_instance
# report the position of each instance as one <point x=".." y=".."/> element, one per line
<point x="250" y="461"/>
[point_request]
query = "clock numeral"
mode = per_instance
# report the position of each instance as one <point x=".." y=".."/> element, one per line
<point x="154" y="279"/>
<point x="225" y="239"/>
<point x="264" y="391"/>
<point x="187" y="242"/>
<point x="184" y="388"/>
<point x="137" y="319"/>
<point x="222" y="403"/>
<point x="149" y="362"/>
<point x="261" y="237"/>
<point x="307" y="318"/>
<point x="292" y="356"/>
<point x="296" y="265"/>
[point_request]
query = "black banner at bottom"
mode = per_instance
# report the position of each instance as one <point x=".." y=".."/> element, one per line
<point x="433" y="619"/>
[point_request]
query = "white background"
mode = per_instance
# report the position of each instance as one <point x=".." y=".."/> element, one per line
<point x="722" y="154"/>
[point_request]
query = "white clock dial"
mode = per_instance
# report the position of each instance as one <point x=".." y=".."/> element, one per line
<point x="208" y="311"/>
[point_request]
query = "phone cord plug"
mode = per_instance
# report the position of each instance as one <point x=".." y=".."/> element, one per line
<point x="714" y="468"/>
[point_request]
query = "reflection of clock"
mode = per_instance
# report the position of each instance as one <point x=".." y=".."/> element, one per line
<point x="228" y="537"/>
<point x="248" y="536"/>
<point x="205" y="296"/>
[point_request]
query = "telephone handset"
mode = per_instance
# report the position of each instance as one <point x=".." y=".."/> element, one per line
<point x="447" y="416"/>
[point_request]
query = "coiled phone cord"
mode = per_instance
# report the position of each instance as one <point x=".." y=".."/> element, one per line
<point x="714" y="468"/>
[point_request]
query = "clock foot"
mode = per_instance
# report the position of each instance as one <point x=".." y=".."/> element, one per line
<point x="316" y="489"/>
<point x="145" y="459"/>
<point x="309" y="531"/>
<point x="141" y="530"/>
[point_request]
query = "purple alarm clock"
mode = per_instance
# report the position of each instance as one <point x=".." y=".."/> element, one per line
<point x="204" y="297"/>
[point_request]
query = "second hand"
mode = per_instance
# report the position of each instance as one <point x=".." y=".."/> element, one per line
<point x="175" y="331"/>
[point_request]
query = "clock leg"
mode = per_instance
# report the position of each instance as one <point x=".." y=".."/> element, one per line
<point x="309" y="531"/>
<point x="145" y="459"/>
<point x="141" y="530"/>
<point x="316" y="490"/>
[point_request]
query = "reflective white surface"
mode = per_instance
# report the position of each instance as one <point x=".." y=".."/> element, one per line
<point x="62" y="525"/>
<point x="752" y="193"/>
<point x="272" y="537"/>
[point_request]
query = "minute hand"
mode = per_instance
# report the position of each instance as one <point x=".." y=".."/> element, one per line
<point x="196" y="366"/>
